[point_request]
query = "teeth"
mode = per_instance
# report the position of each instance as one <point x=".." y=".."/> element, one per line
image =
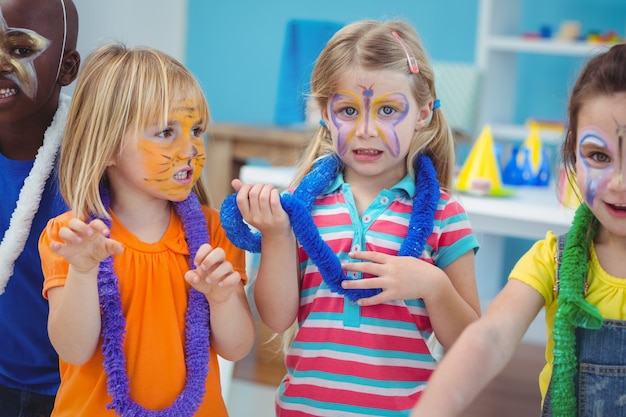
<point x="367" y="151"/>
<point x="7" y="92"/>
<point x="182" y="175"/>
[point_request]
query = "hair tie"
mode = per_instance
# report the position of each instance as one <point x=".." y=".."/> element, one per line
<point x="436" y="104"/>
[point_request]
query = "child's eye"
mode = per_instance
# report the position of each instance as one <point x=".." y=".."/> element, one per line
<point x="348" y="111"/>
<point x="197" y="132"/>
<point x="386" y="111"/>
<point x="600" y="157"/>
<point x="167" y="133"/>
<point x="22" y="51"/>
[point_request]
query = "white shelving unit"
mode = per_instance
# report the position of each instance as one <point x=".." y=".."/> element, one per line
<point x="499" y="42"/>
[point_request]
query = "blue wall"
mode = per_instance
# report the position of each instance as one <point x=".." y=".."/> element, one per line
<point x="545" y="96"/>
<point x="235" y="47"/>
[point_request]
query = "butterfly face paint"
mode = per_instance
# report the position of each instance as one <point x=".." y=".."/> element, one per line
<point x="174" y="157"/>
<point x="18" y="50"/>
<point x="600" y="160"/>
<point x="350" y="111"/>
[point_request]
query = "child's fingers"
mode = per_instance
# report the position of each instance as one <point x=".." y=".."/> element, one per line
<point x="236" y="184"/>
<point x="370" y="268"/>
<point x="275" y="205"/>
<point x="366" y="283"/>
<point x="260" y="197"/>
<point x="218" y="271"/>
<point x="371" y="256"/>
<point x="99" y="226"/>
<point x="192" y="277"/>
<point x="113" y="247"/>
<point x="243" y="198"/>
<point x="230" y="279"/>
<point x="370" y="301"/>
<point x="201" y="255"/>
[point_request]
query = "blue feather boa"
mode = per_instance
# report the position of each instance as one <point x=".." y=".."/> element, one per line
<point x="299" y="204"/>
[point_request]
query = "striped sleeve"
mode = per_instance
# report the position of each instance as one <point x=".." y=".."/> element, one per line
<point x="453" y="231"/>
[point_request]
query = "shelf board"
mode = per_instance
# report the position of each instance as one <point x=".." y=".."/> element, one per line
<point x="508" y="132"/>
<point x="545" y="46"/>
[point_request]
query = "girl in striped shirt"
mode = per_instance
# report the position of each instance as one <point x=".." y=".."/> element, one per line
<point x="367" y="253"/>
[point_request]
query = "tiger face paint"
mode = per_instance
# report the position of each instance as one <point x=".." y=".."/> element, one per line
<point x="174" y="156"/>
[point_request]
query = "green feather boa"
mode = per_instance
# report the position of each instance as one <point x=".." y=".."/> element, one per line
<point x="573" y="311"/>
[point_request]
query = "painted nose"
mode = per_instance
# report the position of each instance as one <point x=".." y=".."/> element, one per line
<point x="190" y="146"/>
<point x="617" y="181"/>
<point x="366" y="128"/>
<point x="5" y="63"/>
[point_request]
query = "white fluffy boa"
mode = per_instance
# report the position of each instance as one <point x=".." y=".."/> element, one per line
<point x="21" y="221"/>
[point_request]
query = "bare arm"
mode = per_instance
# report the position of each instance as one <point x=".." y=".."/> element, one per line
<point x="482" y="351"/>
<point x="277" y="289"/>
<point x="453" y="302"/>
<point x="74" y="319"/>
<point x="232" y="325"/>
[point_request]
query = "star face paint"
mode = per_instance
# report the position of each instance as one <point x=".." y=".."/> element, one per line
<point x="18" y="50"/>
<point x="599" y="159"/>
<point x="174" y="157"/>
<point x="349" y="110"/>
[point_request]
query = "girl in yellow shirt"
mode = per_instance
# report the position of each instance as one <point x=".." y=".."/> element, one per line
<point x="585" y="302"/>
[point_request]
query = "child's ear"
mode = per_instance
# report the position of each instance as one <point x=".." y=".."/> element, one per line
<point x="324" y="116"/>
<point x="423" y="115"/>
<point x="69" y="68"/>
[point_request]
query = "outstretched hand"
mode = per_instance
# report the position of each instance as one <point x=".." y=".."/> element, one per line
<point x="213" y="276"/>
<point x="260" y="207"/>
<point x="399" y="277"/>
<point x="85" y="245"/>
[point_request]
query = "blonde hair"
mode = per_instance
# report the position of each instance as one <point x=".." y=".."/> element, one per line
<point x="371" y="45"/>
<point x="119" y="90"/>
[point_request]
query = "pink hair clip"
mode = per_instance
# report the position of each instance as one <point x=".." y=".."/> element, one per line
<point x="409" y="56"/>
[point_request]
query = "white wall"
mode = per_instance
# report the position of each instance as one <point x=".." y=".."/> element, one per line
<point x="156" y="23"/>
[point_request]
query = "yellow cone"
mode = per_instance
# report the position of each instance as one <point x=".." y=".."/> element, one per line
<point x="481" y="172"/>
<point x="534" y="146"/>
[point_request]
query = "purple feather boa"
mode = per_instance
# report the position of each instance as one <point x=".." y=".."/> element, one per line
<point x="196" y="333"/>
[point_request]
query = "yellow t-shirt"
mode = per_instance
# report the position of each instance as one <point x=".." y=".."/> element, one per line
<point x="154" y="302"/>
<point x="537" y="269"/>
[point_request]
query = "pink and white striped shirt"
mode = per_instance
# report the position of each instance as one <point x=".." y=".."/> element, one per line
<point x="348" y="360"/>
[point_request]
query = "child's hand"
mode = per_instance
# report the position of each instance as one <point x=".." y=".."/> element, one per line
<point x="214" y="276"/>
<point x="399" y="277"/>
<point x="84" y="245"/>
<point x="260" y="207"/>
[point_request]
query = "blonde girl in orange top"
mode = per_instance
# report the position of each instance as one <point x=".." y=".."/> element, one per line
<point x="143" y="285"/>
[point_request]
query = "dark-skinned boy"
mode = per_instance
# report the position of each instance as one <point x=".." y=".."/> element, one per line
<point x="38" y="57"/>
